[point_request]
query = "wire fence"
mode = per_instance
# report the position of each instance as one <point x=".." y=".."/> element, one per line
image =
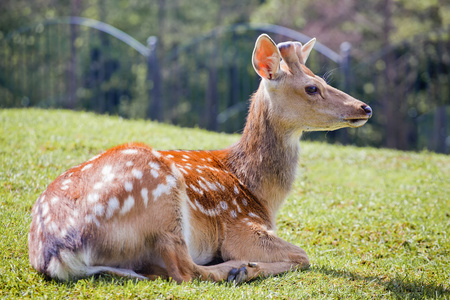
<point x="83" y="64"/>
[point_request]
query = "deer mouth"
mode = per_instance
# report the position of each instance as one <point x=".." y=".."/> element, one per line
<point x="356" y="122"/>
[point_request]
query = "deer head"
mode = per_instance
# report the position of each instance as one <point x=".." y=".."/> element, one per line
<point x="298" y="99"/>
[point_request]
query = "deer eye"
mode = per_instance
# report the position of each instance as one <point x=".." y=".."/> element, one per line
<point x="312" y="89"/>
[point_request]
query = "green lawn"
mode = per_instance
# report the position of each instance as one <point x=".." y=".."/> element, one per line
<point x="375" y="223"/>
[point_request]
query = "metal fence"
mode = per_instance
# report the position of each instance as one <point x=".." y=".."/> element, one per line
<point x="408" y="85"/>
<point x="83" y="64"/>
<point x="73" y="63"/>
<point x="209" y="81"/>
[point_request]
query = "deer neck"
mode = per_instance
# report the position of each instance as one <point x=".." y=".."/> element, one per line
<point x="265" y="159"/>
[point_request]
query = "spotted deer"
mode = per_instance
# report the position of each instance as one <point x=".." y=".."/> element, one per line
<point x="137" y="212"/>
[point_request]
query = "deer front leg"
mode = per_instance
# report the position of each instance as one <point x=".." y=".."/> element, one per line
<point x="250" y="254"/>
<point x="264" y="253"/>
<point x="180" y="266"/>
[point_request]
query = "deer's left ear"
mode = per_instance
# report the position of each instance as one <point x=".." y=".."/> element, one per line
<point x="266" y="57"/>
<point x="306" y="49"/>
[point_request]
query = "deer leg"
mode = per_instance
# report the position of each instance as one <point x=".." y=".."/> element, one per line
<point x="264" y="254"/>
<point x="180" y="266"/>
<point x="271" y="256"/>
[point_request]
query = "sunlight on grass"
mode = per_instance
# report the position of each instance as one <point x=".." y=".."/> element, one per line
<point x="375" y="223"/>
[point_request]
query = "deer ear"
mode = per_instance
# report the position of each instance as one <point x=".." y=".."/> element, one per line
<point x="266" y="57"/>
<point x="306" y="49"/>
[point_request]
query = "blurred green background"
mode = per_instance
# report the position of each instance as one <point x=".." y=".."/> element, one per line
<point x="189" y="62"/>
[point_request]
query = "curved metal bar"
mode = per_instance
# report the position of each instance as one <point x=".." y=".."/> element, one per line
<point x="127" y="39"/>
<point x="270" y="28"/>
<point x="301" y="38"/>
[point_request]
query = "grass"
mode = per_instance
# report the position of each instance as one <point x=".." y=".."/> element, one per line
<point x="375" y="223"/>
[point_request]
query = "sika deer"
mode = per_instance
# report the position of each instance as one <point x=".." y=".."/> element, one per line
<point x="137" y="212"/>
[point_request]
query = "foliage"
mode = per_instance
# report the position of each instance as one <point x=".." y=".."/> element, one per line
<point x="367" y="25"/>
<point x="375" y="223"/>
<point x="400" y="61"/>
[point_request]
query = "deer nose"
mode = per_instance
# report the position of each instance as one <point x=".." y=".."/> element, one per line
<point x="367" y="109"/>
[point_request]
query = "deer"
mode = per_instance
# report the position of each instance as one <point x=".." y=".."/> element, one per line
<point x="139" y="213"/>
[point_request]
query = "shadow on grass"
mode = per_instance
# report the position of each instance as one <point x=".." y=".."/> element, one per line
<point x="401" y="287"/>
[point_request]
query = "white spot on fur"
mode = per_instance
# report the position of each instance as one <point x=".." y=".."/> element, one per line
<point x="71" y="221"/>
<point x="202" y="185"/>
<point x="88" y="166"/>
<point x="144" y="194"/>
<point x="128" y="186"/>
<point x="192" y="204"/>
<point x="113" y="205"/>
<point x="98" y="185"/>
<point x="244" y="201"/>
<point x="98" y="209"/>
<point x="154" y="165"/>
<point x="45" y="208"/>
<point x="183" y="170"/>
<point x="164" y="188"/>
<point x="185" y="156"/>
<point x="53" y="227"/>
<point x="169" y="156"/>
<point x="136" y="173"/>
<point x="129" y="163"/>
<point x="95" y="157"/>
<point x="129" y="151"/>
<point x="156" y="153"/>
<point x="198" y="170"/>
<point x="154" y="173"/>
<point x="250" y="214"/>
<point x="39" y="230"/>
<point x="92" y="198"/>
<point x="233" y="214"/>
<point x="236" y="190"/>
<point x="66" y="182"/>
<point x="195" y="189"/>
<point x="211" y="186"/>
<point x="224" y="205"/>
<point x="220" y="186"/>
<point x="237" y="206"/>
<point x="92" y="219"/>
<point x="209" y="212"/>
<point x="64" y="187"/>
<point x="54" y="200"/>
<point x="47" y="220"/>
<point x="108" y="175"/>
<point x="127" y="205"/>
<point x="106" y="169"/>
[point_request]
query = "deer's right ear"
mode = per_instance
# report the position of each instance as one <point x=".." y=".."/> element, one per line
<point x="266" y="57"/>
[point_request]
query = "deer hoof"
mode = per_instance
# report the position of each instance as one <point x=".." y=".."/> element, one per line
<point x="237" y="276"/>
